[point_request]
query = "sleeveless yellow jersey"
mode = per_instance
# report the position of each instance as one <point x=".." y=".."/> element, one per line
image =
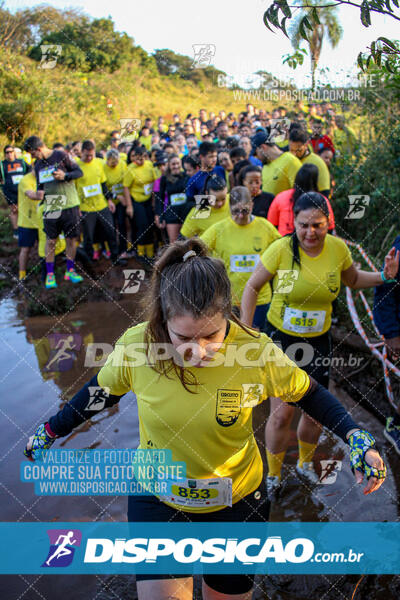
<point x="211" y="429"/>
<point x="140" y="180"/>
<point x="27" y="208"/>
<point x="198" y="221"/>
<point x="302" y="296"/>
<point x="240" y="247"/>
<point x="89" y="186"/>
<point x="279" y="175"/>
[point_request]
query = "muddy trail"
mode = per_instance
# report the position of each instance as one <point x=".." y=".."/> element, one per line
<point x="35" y="386"/>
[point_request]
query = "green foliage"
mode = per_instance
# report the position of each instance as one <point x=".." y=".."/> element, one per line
<point x="89" y="45"/>
<point x="170" y="63"/>
<point x="278" y="14"/>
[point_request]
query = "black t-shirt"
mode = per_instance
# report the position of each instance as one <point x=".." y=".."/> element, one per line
<point x="58" y="159"/>
<point x="12" y="172"/>
<point x="174" y="190"/>
<point x="262" y="202"/>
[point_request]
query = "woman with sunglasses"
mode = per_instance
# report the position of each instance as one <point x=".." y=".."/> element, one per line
<point x="239" y="240"/>
<point x="305" y="269"/>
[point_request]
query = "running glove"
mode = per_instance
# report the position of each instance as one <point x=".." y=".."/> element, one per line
<point x="39" y="441"/>
<point x="360" y="442"/>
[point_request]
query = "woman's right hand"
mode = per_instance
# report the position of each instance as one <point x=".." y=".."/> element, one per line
<point x="39" y="441"/>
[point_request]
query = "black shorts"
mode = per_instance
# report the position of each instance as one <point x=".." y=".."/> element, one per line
<point x="254" y="507"/>
<point x="68" y="223"/>
<point x="175" y="215"/>
<point x="312" y="354"/>
<point x="27" y="237"/>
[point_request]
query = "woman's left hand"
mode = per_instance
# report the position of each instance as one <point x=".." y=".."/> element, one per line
<point x="366" y="461"/>
<point x="373" y="459"/>
<point x="391" y="267"/>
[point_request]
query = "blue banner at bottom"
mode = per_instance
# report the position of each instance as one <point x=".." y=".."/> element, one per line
<point x="193" y="548"/>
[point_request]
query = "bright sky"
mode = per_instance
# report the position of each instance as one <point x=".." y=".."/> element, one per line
<point x="243" y="43"/>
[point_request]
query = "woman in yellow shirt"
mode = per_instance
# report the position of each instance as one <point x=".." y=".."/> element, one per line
<point x="211" y="206"/>
<point x="202" y="415"/>
<point x="138" y="186"/>
<point x="239" y="240"/>
<point x="305" y="269"/>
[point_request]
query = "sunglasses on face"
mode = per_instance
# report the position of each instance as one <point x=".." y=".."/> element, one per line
<point x="243" y="211"/>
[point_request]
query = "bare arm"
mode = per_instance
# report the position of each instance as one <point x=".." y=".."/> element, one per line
<point x="249" y="299"/>
<point x="357" y="279"/>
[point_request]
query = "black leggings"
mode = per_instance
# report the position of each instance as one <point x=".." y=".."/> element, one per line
<point x="253" y="508"/>
<point x="120" y="221"/>
<point x="104" y="220"/>
<point x="142" y="223"/>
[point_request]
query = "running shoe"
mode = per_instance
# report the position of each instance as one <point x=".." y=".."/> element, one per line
<point x="307" y="471"/>
<point x="392" y="434"/>
<point x="273" y="485"/>
<point x="50" y="281"/>
<point x="96" y="255"/>
<point x="72" y="276"/>
<point x="106" y="254"/>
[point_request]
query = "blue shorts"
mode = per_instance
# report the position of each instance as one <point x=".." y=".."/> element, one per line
<point x="27" y="237"/>
<point x="260" y="316"/>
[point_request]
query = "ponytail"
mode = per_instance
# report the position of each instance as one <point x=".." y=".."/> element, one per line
<point x="185" y="280"/>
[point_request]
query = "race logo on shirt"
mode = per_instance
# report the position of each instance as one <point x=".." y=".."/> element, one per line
<point x="228" y="407"/>
<point x="133" y="280"/>
<point x="50" y="55"/>
<point x="286" y="280"/>
<point x="257" y="243"/>
<point x="252" y="394"/>
<point x="332" y="281"/>
<point x="203" y="53"/>
<point x="357" y="206"/>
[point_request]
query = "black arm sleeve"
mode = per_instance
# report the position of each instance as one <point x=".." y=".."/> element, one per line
<point x="322" y="406"/>
<point x="106" y="191"/>
<point x="72" y="168"/>
<point x="89" y="401"/>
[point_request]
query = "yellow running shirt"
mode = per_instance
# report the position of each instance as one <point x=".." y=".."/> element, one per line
<point x="302" y="297"/>
<point x="89" y="186"/>
<point x="211" y="429"/>
<point x="324" y="178"/>
<point x="27" y="208"/>
<point x="279" y="175"/>
<point x="240" y="247"/>
<point x="198" y="221"/>
<point x="114" y="179"/>
<point x="140" y="180"/>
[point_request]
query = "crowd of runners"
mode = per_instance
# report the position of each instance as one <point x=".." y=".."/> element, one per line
<point x="255" y="191"/>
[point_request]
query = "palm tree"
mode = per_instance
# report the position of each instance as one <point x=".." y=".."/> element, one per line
<point x="329" y="25"/>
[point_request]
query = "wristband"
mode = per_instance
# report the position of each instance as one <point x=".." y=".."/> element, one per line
<point x="387" y="280"/>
